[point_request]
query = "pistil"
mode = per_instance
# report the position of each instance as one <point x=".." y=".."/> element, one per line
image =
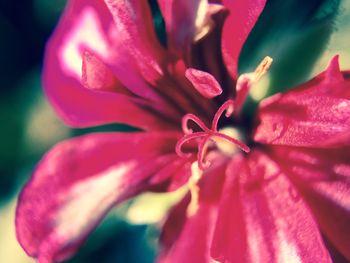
<point x="207" y="134"/>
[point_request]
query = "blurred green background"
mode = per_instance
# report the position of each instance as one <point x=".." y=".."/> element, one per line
<point x="301" y="36"/>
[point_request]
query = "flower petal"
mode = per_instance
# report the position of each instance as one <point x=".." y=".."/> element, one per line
<point x="69" y="79"/>
<point x="134" y="40"/>
<point x="229" y="238"/>
<point x="259" y="220"/>
<point x="79" y="180"/>
<point x="182" y="19"/>
<point x="204" y="83"/>
<point x="187" y="238"/>
<point x="323" y="177"/>
<point x="315" y="114"/>
<point x="239" y="23"/>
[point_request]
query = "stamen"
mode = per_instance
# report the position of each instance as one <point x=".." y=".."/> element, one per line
<point x="262" y="68"/>
<point x="187" y="138"/>
<point x="245" y="81"/>
<point x="202" y="149"/>
<point x="196" y="120"/>
<point x="229" y="107"/>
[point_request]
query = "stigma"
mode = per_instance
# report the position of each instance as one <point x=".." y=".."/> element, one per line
<point x="207" y="135"/>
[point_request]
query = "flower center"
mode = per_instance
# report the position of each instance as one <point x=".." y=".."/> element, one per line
<point x="203" y="137"/>
<point x="229" y="148"/>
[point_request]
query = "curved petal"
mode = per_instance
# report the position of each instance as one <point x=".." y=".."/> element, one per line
<point x="186" y="238"/>
<point x="239" y="23"/>
<point x="79" y="180"/>
<point x="229" y="239"/>
<point x="260" y="220"/>
<point x="135" y="42"/>
<point x="323" y="177"/>
<point x="182" y="18"/>
<point x="315" y="114"/>
<point x="85" y="28"/>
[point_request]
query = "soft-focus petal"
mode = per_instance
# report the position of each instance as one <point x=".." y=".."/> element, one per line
<point x="73" y="82"/>
<point x="315" y="114"/>
<point x="134" y="41"/>
<point x="182" y="20"/>
<point x="323" y="177"/>
<point x="239" y="23"/>
<point x="186" y="238"/>
<point x="193" y="244"/>
<point x="79" y="180"/>
<point x="229" y="240"/>
<point x="260" y="220"/>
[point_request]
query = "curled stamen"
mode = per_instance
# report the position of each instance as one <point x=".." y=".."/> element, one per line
<point x="185" y="139"/>
<point x="202" y="149"/>
<point x="196" y="120"/>
<point x="228" y="106"/>
<point x="206" y="134"/>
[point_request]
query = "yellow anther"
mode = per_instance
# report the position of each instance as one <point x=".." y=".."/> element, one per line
<point x="262" y="68"/>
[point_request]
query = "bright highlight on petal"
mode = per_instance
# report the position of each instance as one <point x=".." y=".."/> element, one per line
<point x="87" y="33"/>
<point x="90" y="197"/>
<point x="79" y="180"/>
<point x="194" y="189"/>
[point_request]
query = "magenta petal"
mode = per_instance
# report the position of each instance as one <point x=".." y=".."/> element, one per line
<point x="187" y="238"/>
<point x="79" y="180"/>
<point x="203" y="82"/>
<point x="136" y="47"/>
<point x="85" y="29"/>
<point x="260" y="220"/>
<point x="230" y="240"/>
<point x="180" y="21"/>
<point x="323" y="177"/>
<point x="193" y="244"/>
<point x="239" y="23"/>
<point x="315" y="114"/>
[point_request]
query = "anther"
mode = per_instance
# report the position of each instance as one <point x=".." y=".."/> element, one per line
<point x="262" y="68"/>
<point x="245" y="81"/>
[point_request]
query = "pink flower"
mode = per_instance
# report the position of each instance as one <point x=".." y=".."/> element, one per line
<point x="272" y="204"/>
<point x="262" y="198"/>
